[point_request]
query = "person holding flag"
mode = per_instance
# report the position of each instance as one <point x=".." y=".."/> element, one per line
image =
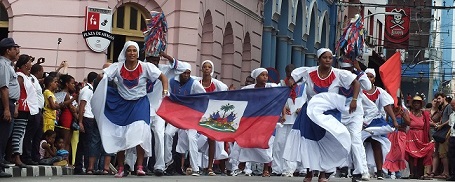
<point x="294" y="103"/>
<point x="322" y="146"/>
<point x="258" y="155"/>
<point x="215" y="148"/>
<point x="154" y="93"/>
<point x="377" y="104"/>
<point x="123" y="113"/>
<point x="183" y="84"/>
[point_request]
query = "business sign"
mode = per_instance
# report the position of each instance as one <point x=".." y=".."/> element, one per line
<point x="98" y="28"/>
<point x="397" y="28"/>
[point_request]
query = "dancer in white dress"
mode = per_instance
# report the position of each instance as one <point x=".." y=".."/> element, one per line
<point x="258" y="155"/>
<point x="123" y="113"/>
<point x="316" y="146"/>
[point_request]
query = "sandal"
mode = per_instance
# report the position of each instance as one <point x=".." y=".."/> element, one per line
<point x="307" y="179"/>
<point x="323" y="180"/>
<point x="106" y="172"/>
<point x="210" y="172"/>
<point x="442" y="176"/>
<point x="266" y="174"/>
<point x="89" y="172"/>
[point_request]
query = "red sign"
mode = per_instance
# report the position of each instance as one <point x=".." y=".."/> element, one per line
<point x="397" y="28"/>
<point x="93" y="20"/>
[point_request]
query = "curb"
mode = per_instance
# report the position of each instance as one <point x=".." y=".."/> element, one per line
<point x="39" y="171"/>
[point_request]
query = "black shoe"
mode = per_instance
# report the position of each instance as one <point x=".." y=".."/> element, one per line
<point x="275" y="174"/>
<point x="78" y="171"/>
<point x="30" y="162"/>
<point x="452" y="178"/>
<point x="158" y="172"/>
<point x="356" y="178"/>
<point x="5" y="175"/>
<point x="22" y="165"/>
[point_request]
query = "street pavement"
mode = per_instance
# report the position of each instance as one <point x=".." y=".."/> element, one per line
<point x="86" y="178"/>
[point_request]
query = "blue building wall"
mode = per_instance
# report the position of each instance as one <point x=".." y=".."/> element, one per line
<point x="294" y="30"/>
<point x="446" y="34"/>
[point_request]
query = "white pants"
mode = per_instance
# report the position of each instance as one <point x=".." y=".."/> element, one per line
<point x="188" y="142"/>
<point x="158" y="126"/>
<point x="279" y="164"/>
<point x="359" y="159"/>
<point x="168" y="141"/>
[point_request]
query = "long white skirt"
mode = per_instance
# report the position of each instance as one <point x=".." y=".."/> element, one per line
<point x="318" y="140"/>
<point x="115" y="137"/>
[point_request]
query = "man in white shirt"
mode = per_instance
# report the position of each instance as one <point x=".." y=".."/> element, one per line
<point x="92" y="140"/>
<point x="34" y="130"/>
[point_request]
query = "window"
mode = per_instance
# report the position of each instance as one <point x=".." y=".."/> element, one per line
<point x="128" y="24"/>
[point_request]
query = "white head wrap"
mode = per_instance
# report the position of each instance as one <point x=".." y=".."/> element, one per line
<point x="371" y="70"/>
<point x="256" y="72"/>
<point x="122" y="55"/>
<point x="345" y="64"/>
<point x="211" y="63"/>
<point x="322" y="51"/>
<point x="183" y="66"/>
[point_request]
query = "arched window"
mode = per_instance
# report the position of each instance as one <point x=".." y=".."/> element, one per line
<point x="128" y="23"/>
<point x="3" y="22"/>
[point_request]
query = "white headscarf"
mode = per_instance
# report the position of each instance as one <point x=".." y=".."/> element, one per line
<point x="256" y="72"/>
<point x="211" y="63"/>
<point x="345" y="64"/>
<point x="183" y="66"/>
<point x="322" y="51"/>
<point x="122" y="55"/>
<point x="371" y="70"/>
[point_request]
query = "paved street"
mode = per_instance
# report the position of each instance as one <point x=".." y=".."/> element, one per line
<point x="77" y="178"/>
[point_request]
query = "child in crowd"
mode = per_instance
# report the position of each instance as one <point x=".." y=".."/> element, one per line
<point x="50" y="103"/>
<point x="47" y="149"/>
<point x="61" y="152"/>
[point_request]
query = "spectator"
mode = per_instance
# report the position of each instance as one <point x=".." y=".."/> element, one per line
<point x="9" y="89"/>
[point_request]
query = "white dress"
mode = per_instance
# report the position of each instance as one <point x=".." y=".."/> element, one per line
<point x="258" y="155"/>
<point x="133" y="129"/>
<point x="329" y="147"/>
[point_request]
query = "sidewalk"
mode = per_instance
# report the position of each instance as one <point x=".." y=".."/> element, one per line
<point x="39" y="171"/>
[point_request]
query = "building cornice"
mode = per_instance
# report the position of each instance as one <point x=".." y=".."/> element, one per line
<point x="244" y="10"/>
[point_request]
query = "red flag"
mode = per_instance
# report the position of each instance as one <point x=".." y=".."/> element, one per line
<point x="390" y="73"/>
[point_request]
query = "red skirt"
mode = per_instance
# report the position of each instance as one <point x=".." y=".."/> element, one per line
<point x="395" y="159"/>
<point x="416" y="149"/>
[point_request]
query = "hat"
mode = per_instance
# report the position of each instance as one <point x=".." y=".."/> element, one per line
<point x="256" y="72"/>
<point x="417" y="98"/>
<point x="8" y="42"/>
<point x="371" y="71"/>
<point x="182" y="67"/>
<point x="322" y="51"/>
<point x="211" y="63"/>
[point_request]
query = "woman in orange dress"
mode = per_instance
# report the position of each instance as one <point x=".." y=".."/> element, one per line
<point x="419" y="149"/>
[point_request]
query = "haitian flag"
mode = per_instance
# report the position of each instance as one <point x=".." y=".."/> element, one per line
<point x="246" y="116"/>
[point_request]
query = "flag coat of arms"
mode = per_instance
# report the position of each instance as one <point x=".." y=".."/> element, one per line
<point x="247" y="116"/>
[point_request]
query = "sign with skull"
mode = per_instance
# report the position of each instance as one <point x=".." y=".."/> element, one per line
<point x="397" y="28"/>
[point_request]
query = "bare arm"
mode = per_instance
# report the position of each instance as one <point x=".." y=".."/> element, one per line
<point x="53" y="104"/>
<point x="82" y="104"/>
<point x="164" y="82"/>
<point x="389" y="111"/>
<point x="356" y="85"/>
<point x="169" y="58"/>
